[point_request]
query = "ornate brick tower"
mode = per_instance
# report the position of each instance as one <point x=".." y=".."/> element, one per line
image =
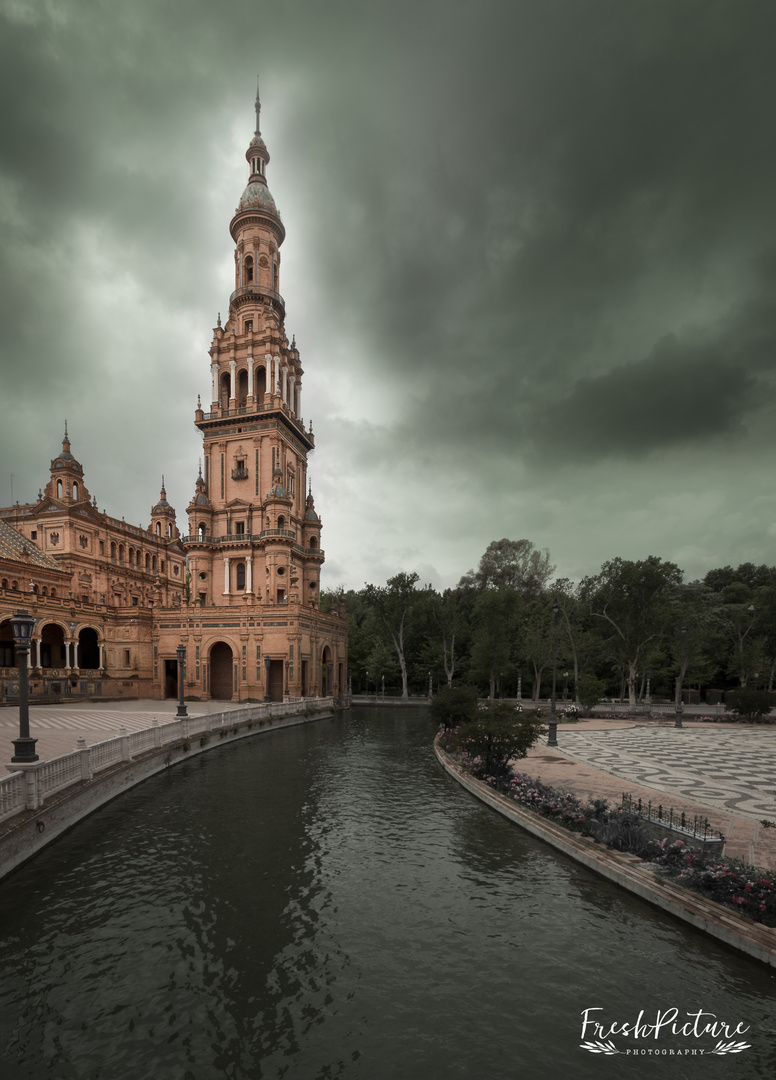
<point x="254" y="547"/>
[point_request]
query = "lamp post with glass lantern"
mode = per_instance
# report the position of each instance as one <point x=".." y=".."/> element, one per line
<point x="181" y="654"/>
<point x="22" y="624"/>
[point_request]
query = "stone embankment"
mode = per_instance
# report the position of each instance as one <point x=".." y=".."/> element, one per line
<point x="628" y="871"/>
<point x="41" y="801"/>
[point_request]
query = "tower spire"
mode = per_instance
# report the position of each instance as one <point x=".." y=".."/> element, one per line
<point x="258" y="109"/>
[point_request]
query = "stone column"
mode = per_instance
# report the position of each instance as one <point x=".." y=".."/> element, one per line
<point x="226" y="576"/>
<point x="214" y="383"/>
<point x="250" y="376"/>
<point x="248" y="574"/>
<point x="233" y="387"/>
<point x="292" y="392"/>
<point x="284" y="389"/>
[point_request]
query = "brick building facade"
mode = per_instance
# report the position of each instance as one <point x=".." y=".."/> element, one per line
<point x="241" y="589"/>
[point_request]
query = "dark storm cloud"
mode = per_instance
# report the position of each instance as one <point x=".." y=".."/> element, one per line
<point x="501" y="215"/>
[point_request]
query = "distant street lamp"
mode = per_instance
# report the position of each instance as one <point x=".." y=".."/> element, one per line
<point x="383" y="681"/>
<point x="679" y="702"/>
<point x="648" y="699"/>
<point x="22" y="624"/>
<point x="552" y="738"/>
<point x="519" y="684"/>
<point x="181" y="654"/>
<point x="367" y="682"/>
<point x="565" y="684"/>
<point x="430" y="686"/>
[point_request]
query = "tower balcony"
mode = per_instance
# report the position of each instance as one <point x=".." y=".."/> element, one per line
<point x="256" y="293"/>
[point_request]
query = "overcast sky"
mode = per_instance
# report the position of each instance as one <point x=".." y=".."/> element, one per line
<point x="530" y="264"/>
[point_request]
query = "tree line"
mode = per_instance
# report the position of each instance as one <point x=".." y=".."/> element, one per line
<point x="634" y="627"/>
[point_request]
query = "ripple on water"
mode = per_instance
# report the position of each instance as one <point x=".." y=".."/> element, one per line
<point x="324" y="902"/>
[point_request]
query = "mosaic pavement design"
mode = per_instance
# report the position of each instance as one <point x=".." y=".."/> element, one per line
<point x="731" y="770"/>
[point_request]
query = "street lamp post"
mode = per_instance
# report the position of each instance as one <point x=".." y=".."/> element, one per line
<point x="648" y="699"/>
<point x="430" y="686"/>
<point x="565" y="684"/>
<point x="519" y="684"/>
<point x="22" y="624"/>
<point x="181" y="654"/>
<point x="679" y="703"/>
<point x="367" y="684"/>
<point x="383" y="683"/>
<point x="552" y="738"/>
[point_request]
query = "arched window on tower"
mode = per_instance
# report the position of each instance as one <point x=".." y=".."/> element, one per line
<point x="274" y="275"/>
<point x="75" y="490"/>
<point x="240" y="576"/>
<point x="201" y="530"/>
<point x="249" y="270"/>
<point x="169" y="529"/>
<point x="226" y="390"/>
<point x="260" y="382"/>
<point x="59" y="489"/>
<point x="242" y="388"/>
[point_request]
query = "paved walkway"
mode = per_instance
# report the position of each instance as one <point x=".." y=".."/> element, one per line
<point x="56" y="727"/>
<point x="726" y="772"/>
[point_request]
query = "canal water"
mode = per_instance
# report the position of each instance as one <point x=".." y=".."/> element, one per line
<point x="325" y="902"/>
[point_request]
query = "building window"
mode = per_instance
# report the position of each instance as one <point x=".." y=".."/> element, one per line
<point x="34" y="534"/>
<point x="134" y="601"/>
<point x="127" y="657"/>
<point x="248" y="326"/>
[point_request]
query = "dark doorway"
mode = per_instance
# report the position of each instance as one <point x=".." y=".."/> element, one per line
<point x="275" y="688"/>
<point x="221" y="672"/>
<point x="88" y="649"/>
<point x="171" y="678"/>
<point x="305" y="678"/>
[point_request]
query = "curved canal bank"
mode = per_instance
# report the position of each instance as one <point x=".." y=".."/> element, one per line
<point x="44" y="800"/>
<point x="628" y="871"/>
<point x="327" y="904"/>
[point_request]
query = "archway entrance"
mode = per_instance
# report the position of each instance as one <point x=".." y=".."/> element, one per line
<point x="52" y="647"/>
<point x="88" y="650"/>
<point x="221" y="672"/>
<point x="7" y="655"/>
<point x="326" y="672"/>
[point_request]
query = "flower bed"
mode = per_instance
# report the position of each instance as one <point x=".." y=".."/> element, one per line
<point x="745" y="889"/>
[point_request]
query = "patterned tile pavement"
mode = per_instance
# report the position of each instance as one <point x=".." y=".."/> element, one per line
<point x="57" y="727"/>
<point x="726" y="772"/>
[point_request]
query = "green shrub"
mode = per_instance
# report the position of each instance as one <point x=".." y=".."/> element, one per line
<point x="454" y="705"/>
<point x="748" y="703"/>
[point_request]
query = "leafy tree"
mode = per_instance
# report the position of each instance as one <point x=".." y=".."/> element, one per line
<point x="451" y="626"/>
<point x="494" y="632"/>
<point x="632" y="600"/>
<point x="454" y="705"/>
<point x="394" y="605"/>
<point x="511" y="564"/>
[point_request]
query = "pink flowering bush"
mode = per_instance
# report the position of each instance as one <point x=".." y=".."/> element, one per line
<point x="745" y="889"/>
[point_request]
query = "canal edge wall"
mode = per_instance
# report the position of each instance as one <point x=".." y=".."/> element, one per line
<point x="26" y="834"/>
<point x="628" y="871"/>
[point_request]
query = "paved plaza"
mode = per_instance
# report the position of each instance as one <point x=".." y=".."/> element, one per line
<point x="57" y="727"/>
<point x="728" y="767"/>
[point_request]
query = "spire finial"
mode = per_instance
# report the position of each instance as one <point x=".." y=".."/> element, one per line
<point x="258" y="107"/>
<point x="163" y="493"/>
